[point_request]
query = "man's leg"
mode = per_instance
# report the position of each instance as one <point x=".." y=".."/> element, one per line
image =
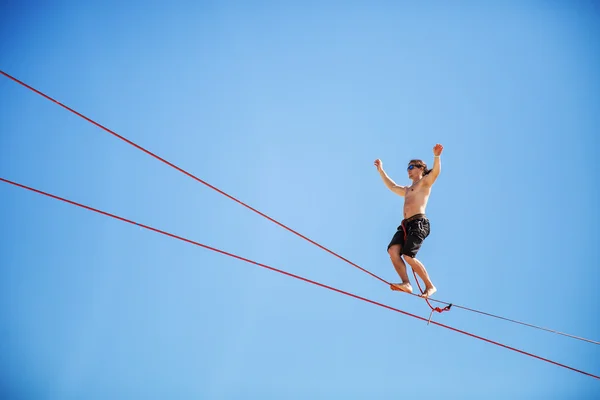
<point x="400" y="267"/>
<point x="420" y="270"/>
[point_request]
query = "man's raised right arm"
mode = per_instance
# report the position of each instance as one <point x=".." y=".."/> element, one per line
<point x="399" y="190"/>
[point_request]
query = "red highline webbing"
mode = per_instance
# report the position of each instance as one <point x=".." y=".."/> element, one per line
<point x="189" y="174"/>
<point x="295" y="276"/>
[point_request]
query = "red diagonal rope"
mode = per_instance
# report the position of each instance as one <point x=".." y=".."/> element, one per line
<point x="188" y="174"/>
<point x="294" y="276"/>
<point x="266" y="216"/>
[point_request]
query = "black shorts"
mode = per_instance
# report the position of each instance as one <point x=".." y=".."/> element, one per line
<point x="410" y="234"/>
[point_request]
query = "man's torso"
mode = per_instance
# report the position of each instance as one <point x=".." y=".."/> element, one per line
<point x="415" y="199"/>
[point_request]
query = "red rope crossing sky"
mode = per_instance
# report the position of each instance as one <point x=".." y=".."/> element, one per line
<point x="187" y="173"/>
<point x="294" y="276"/>
<point x="271" y="219"/>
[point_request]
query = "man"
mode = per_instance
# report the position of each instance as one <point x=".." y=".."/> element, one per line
<point x="415" y="227"/>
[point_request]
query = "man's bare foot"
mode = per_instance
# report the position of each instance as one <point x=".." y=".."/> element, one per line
<point x="428" y="292"/>
<point x="401" y="287"/>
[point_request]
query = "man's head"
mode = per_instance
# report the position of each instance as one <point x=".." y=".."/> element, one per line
<point x="417" y="169"/>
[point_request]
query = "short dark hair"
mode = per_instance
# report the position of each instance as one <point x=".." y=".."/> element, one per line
<point x="420" y="164"/>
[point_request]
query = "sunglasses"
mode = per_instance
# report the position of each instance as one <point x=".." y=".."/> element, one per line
<point x="413" y="166"/>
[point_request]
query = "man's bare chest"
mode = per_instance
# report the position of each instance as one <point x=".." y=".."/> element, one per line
<point x="416" y="191"/>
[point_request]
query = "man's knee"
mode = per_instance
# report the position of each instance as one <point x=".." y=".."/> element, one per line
<point x="408" y="258"/>
<point x="394" y="251"/>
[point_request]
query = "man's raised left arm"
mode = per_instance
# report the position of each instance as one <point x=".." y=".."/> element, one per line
<point x="437" y="164"/>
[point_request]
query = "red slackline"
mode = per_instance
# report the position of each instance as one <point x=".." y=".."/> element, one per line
<point x="295" y="276"/>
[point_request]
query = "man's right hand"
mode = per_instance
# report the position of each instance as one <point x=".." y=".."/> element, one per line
<point x="379" y="164"/>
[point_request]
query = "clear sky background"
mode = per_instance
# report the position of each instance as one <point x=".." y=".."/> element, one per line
<point x="286" y="106"/>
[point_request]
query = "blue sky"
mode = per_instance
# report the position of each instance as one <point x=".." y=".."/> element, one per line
<point x="285" y="106"/>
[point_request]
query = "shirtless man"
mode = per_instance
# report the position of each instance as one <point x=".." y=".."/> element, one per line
<point x="415" y="226"/>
